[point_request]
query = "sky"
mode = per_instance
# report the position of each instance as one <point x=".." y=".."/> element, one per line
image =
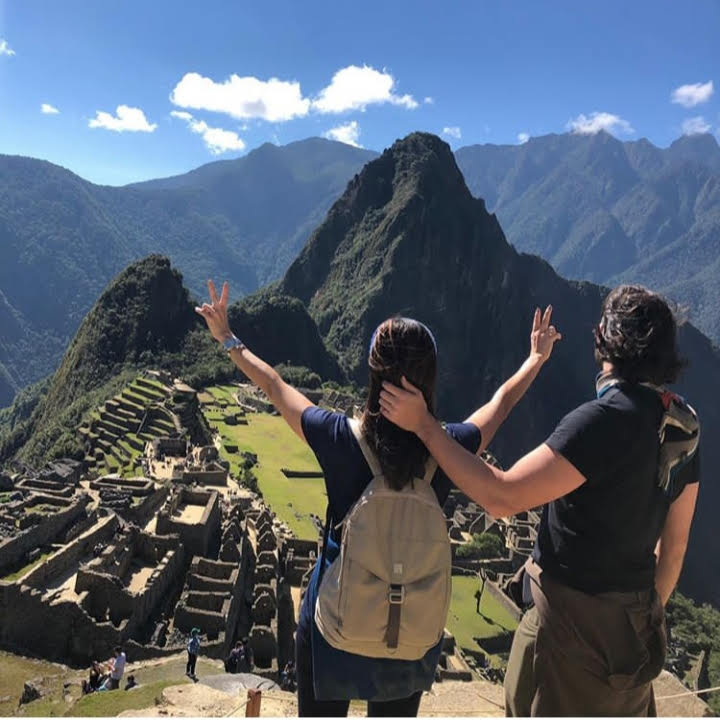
<point x="125" y="90"/>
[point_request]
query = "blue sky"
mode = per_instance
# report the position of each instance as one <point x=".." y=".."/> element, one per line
<point x="366" y="73"/>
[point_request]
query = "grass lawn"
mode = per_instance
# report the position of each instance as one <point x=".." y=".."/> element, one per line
<point x="58" y="701"/>
<point x="15" y="670"/>
<point x="110" y="704"/>
<point x="277" y="446"/>
<point x="22" y="571"/>
<point x="464" y="622"/>
<point x="223" y="392"/>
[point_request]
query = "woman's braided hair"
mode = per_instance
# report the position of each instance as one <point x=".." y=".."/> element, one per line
<point x="400" y="347"/>
<point x="637" y="333"/>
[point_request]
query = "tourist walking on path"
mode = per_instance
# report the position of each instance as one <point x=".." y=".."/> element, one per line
<point x="355" y="455"/>
<point x="619" y="481"/>
<point x="118" y="668"/>
<point x="193" y="650"/>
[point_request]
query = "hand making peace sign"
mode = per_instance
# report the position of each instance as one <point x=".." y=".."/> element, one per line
<point x="215" y="314"/>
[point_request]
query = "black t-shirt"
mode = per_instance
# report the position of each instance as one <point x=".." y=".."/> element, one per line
<point x="601" y="537"/>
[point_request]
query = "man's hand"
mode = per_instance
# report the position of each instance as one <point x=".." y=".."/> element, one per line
<point x="215" y="314"/>
<point x="404" y="407"/>
<point x="543" y="335"/>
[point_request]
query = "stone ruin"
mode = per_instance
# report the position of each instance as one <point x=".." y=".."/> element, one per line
<point x="33" y="521"/>
<point x="133" y="498"/>
<point x="195" y="516"/>
<point x="60" y="478"/>
<point x="129" y="578"/>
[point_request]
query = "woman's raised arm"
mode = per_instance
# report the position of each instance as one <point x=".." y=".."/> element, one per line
<point x="288" y="401"/>
<point x="492" y="415"/>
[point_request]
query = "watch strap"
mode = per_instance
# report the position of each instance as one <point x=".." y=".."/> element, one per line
<point x="232" y="343"/>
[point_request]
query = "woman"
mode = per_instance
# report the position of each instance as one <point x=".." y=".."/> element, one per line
<point x="620" y="479"/>
<point x="399" y="347"/>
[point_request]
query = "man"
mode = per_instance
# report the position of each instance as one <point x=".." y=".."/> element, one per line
<point x="118" y="668"/>
<point x="619" y="481"/>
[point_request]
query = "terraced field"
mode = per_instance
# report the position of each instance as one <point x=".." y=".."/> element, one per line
<point x="117" y="431"/>
<point x="276" y="445"/>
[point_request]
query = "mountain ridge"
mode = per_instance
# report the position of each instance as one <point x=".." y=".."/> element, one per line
<point x="72" y="237"/>
<point x="407" y="236"/>
<point x="610" y="211"/>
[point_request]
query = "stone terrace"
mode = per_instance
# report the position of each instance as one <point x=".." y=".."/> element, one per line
<point x="115" y="436"/>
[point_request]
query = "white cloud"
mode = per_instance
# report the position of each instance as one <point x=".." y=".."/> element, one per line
<point x="523" y="137"/>
<point x="429" y="100"/>
<point x="126" y="119"/>
<point x="354" y="88"/>
<point x="217" y="140"/>
<point x="242" y="97"/>
<point x="597" y="121"/>
<point x="692" y="95"/>
<point x="348" y="133"/>
<point x="5" y="49"/>
<point x="695" y="126"/>
<point x="453" y="132"/>
<point x="47" y="109"/>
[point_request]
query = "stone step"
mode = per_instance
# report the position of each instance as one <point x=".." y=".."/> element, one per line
<point x="151" y="385"/>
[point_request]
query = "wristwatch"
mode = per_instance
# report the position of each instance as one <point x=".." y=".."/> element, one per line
<point x="233" y="343"/>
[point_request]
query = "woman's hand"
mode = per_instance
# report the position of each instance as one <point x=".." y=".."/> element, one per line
<point x="404" y="406"/>
<point x="215" y="314"/>
<point x="543" y="335"/>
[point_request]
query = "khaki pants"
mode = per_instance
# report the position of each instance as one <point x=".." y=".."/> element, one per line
<point x="585" y="655"/>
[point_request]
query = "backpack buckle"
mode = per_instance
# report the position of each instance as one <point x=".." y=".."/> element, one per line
<point x="396" y="596"/>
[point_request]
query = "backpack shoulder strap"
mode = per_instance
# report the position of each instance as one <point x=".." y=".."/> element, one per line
<point x="431" y="467"/>
<point x="367" y="452"/>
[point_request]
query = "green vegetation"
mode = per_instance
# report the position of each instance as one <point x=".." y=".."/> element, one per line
<point x="482" y="547"/>
<point x="276" y="446"/>
<point x="695" y="628"/>
<point x="607" y="211"/>
<point x="16" y="670"/>
<point x="301" y="377"/>
<point x="12" y="577"/>
<point x="219" y="221"/>
<point x="464" y="622"/>
<point x="112" y="703"/>
<point x="61" y="687"/>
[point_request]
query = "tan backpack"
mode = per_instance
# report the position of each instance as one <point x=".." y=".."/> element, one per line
<point x="387" y="594"/>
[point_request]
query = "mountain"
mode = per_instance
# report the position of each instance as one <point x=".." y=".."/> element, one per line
<point x="146" y="319"/>
<point x="408" y="237"/>
<point x="609" y="211"/>
<point x="62" y="239"/>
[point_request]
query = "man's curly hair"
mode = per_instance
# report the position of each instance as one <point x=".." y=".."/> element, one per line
<point x="637" y="333"/>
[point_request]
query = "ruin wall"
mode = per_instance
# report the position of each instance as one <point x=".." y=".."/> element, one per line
<point x="13" y="551"/>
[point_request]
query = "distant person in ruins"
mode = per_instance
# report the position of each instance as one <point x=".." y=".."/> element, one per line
<point x="247" y="657"/>
<point x="287" y="677"/>
<point x="193" y="650"/>
<point x="95" y="679"/>
<point x="131" y="683"/>
<point x="619" y="480"/>
<point x="233" y="661"/>
<point x="118" y="668"/>
<point x="351" y="454"/>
